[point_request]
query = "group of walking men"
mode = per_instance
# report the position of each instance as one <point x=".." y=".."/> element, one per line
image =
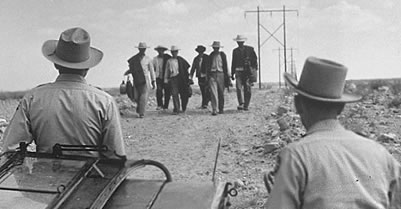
<point x="329" y="167"/>
<point x="171" y="77"/>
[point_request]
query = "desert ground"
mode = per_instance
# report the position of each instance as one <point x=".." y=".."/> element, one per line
<point x="250" y="140"/>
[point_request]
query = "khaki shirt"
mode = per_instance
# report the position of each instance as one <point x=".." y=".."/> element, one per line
<point x="335" y="168"/>
<point x="68" y="111"/>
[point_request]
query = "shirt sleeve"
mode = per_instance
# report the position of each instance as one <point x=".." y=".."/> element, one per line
<point x="288" y="183"/>
<point x="19" y="129"/>
<point x="167" y="74"/>
<point x="152" y="70"/>
<point x="112" y="133"/>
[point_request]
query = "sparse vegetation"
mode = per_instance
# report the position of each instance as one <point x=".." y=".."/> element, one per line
<point x="5" y="95"/>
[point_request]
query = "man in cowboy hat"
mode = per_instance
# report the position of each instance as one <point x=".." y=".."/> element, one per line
<point x="244" y="61"/>
<point x="199" y="65"/>
<point x="331" y="167"/>
<point x="159" y="64"/>
<point x="68" y="111"/>
<point x="217" y="74"/>
<point x="177" y="77"/>
<point x="141" y="69"/>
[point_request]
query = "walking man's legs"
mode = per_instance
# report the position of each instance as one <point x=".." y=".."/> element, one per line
<point x="142" y="99"/>
<point x="159" y="92"/>
<point x="174" y="92"/>
<point x="239" y="84"/>
<point x="220" y="91"/>
<point x="213" y="92"/>
<point x="167" y="95"/>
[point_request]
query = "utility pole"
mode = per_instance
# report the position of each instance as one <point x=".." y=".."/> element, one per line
<point x="260" y="74"/>
<point x="279" y="63"/>
<point x="284" y="44"/>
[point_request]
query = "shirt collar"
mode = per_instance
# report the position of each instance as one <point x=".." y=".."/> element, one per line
<point x="71" y="78"/>
<point x="325" y="125"/>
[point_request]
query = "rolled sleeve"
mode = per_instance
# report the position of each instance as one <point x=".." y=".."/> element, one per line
<point x="112" y="133"/>
<point x="288" y="184"/>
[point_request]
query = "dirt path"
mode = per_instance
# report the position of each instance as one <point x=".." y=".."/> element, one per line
<point x="187" y="143"/>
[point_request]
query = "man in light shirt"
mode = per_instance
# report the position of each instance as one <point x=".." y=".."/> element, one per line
<point x="68" y="111"/>
<point x="177" y="77"/>
<point x="163" y="93"/>
<point x="141" y="69"/>
<point x="331" y="167"/>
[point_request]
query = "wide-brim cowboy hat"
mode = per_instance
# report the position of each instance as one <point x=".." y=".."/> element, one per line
<point x="322" y="80"/>
<point x="240" y="38"/>
<point x="72" y="50"/>
<point x="216" y="44"/>
<point x="142" y="45"/>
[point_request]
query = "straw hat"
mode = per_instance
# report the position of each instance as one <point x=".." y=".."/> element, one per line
<point x="174" y="48"/>
<point x="216" y="44"/>
<point x="142" y="45"/>
<point x="322" y="80"/>
<point x="240" y="38"/>
<point x="72" y="50"/>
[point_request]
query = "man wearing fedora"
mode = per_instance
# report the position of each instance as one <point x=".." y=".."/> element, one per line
<point x="199" y="66"/>
<point x="68" y="111"/>
<point x="217" y="74"/>
<point x="162" y="90"/>
<point x="141" y="69"/>
<point x="331" y="167"/>
<point x="244" y="61"/>
<point x="177" y="77"/>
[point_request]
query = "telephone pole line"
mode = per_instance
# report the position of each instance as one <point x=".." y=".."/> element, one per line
<point x="284" y="44"/>
<point x="292" y="63"/>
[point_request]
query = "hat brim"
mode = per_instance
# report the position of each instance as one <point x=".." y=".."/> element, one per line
<point x="345" y="98"/>
<point x="161" y="48"/>
<point x="217" y="46"/>
<point x="240" y="40"/>
<point x="49" y="49"/>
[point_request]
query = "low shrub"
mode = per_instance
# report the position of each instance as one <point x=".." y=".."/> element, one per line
<point x="4" y="95"/>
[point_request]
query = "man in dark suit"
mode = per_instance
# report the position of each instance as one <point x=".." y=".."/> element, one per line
<point x="217" y="74"/>
<point x="198" y="68"/>
<point x="244" y="61"/>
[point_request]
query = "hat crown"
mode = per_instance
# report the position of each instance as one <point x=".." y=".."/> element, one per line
<point x="240" y="38"/>
<point x="73" y="45"/>
<point x="323" y="78"/>
<point x="174" y="48"/>
<point x="216" y="44"/>
<point x="142" y="45"/>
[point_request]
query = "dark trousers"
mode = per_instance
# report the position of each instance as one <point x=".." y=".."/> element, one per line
<point x="179" y="90"/>
<point x="143" y="92"/>
<point x="216" y="84"/>
<point x="204" y="88"/>
<point x="162" y="89"/>
<point x="242" y="84"/>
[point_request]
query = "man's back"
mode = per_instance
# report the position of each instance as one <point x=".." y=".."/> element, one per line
<point x="68" y="111"/>
<point x="335" y="168"/>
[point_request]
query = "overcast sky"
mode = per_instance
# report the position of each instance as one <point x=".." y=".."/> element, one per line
<point x="363" y="35"/>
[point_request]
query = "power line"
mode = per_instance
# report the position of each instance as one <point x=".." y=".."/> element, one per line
<point x="284" y="43"/>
